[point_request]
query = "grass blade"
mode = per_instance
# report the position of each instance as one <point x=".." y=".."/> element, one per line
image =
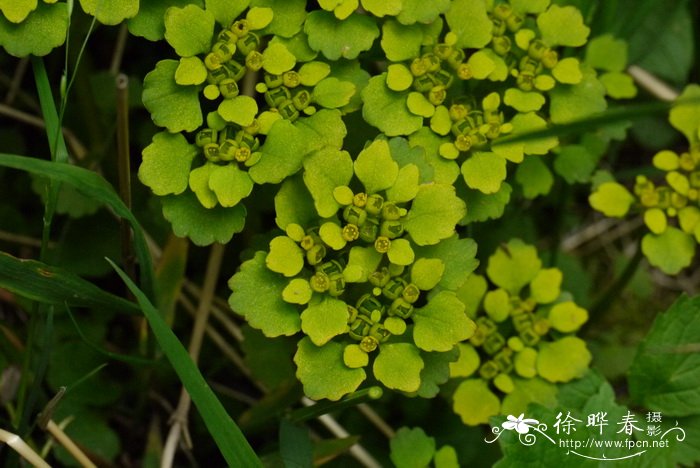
<point x="94" y="186"/>
<point x="228" y="437"/>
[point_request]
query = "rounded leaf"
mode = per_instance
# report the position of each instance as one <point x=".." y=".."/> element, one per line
<point x="611" y="199"/>
<point x="398" y="366"/>
<point x="166" y="163"/>
<point x="188" y="30"/>
<point x="671" y="251"/>
<point x="298" y="291"/>
<point x="567" y="317"/>
<point x="475" y="403"/>
<point x="513" y="265"/>
<point x="426" y="273"/>
<point x="546" y="286"/>
<point x="322" y="371"/>
<point x="285" y="256"/>
<point x="434" y="213"/>
<point x="323" y="320"/>
<point x="441" y="323"/>
<point x="240" y="110"/>
<point x="563" y="26"/>
<point x="563" y="360"/>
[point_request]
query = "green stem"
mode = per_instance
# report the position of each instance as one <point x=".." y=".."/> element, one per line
<point x="613" y="292"/>
<point x="314" y="411"/>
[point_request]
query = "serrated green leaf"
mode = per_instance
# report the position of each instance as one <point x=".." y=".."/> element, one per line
<point x="335" y="38"/>
<point x="165" y="167"/>
<point x="436" y="372"/>
<point x="189" y="30"/>
<point x="240" y="110"/>
<point x="149" y="21"/>
<point x="671" y="251"/>
<point x="41" y="32"/>
<point x="434" y="214"/>
<point x="457" y="255"/>
<point x="289" y="16"/>
<point x="110" y="12"/>
<point x="570" y="103"/>
<point x="607" y="53"/>
<point x="418" y="11"/>
<point x="426" y="273"/>
<point x="685" y="116"/>
<point x="332" y="93"/>
<point x="322" y="371"/>
<point x="563" y="360"/>
<point x="375" y="167"/>
<point x="203" y="226"/>
<point x="190" y="71"/>
<point x="534" y="176"/>
<point x="230" y="184"/>
<point x="257" y="295"/>
<point x="287" y="145"/>
<point x="323" y="320"/>
<point x="407" y="152"/>
<point x="484" y="172"/>
<point x="398" y="366"/>
<point x="285" y="256"/>
<point x="659" y="378"/>
<point x="411" y="448"/>
<point x="611" y="199"/>
<point x="513" y="265"/>
<point x="17" y="11"/>
<point x="474" y="402"/>
<point x="470" y="22"/>
<point x="441" y="323"/>
<point x="171" y="106"/>
<point x="401" y="252"/>
<point x="486" y="206"/>
<point x="563" y="26"/>
<point x="351" y="72"/>
<point x="401" y="42"/>
<point x="386" y="109"/>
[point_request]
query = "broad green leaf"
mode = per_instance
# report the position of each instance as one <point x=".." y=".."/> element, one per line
<point x="406" y="186"/>
<point x="426" y="273"/>
<point x="165" y="167"/>
<point x="446" y="457"/>
<point x="323" y="320"/>
<point x="149" y="21"/>
<point x="441" y="323"/>
<point x="567" y="317"/>
<point x="618" y="85"/>
<point x="470" y="22"/>
<point x="285" y="256"/>
<point x="230" y="184"/>
<point x="189" y="30"/>
<point x="322" y="371"/>
<point x="289" y="16"/>
<point x="458" y="257"/>
<point x="525" y="363"/>
<point x="201" y="225"/>
<point x="263" y="357"/>
<point x="483" y="207"/>
<point x="17" y="11"/>
<point x="225" y="432"/>
<point x="89" y="429"/>
<point x="563" y="360"/>
<point x="401" y="42"/>
<point x="335" y="38"/>
<point x="440" y="121"/>
<point x="567" y="71"/>
<point x="546" y="286"/>
<point x="534" y="176"/>
<point x="671" y="251"/>
<point x="570" y="103"/>
<point x="354" y="356"/>
<point x="323" y="172"/>
<point x="53" y="285"/>
<point x="226" y="11"/>
<point x="413" y="152"/>
<point x="93" y="186"/>
<point x="530" y="6"/>
<point x="484" y="172"/>
<point x="240" y="110"/>
<point x="436" y="372"/>
<point x="685" y="117"/>
<point x="257" y="295"/>
<point x="386" y="109"/>
<point x="531" y="122"/>
<point x="332" y="93"/>
<point x="259" y="17"/>
<point x="332" y="235"/>
<point x="41" y="32"/>
<point x="575" y="163"/>
<point x="382" y="7"/>
<point x="351" y="72"/>
<point x="529" y="391"/>
<point x="467" y="363"/>
<point x="411" y="448"/>
<point x="474" y="402"/>
<point x="190" y="71"/>
<point x="296" y="447"/>
<point x="398" y="366"/>
<point x="401" y="252"/>
<point x="293" y="204"/>
<point x="434" y="214"/>
<point x="611" y="199"/>
<point x="312" y="72"/>
<point x="418" y="11"/>
<point x="171" y="106"/>
<point x="523" y="101"/>
<point x="607" y="53"/>
<point x="110" y="12"/>
<point x="287" y="145"/>
<point x="563" y="26"/>
<point x="277" y="59"/>
<point x="362" y="261"/>
<point x="655" y="219"/>
<point x="661" y="376"/>
<point x="418" y="104"/>
<point x="513" y="265"/>
<point x="298" y="291"/>
<point x="375" y="167"/>
<point x="497" y="305"/>
<point x="199" y="184"/>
